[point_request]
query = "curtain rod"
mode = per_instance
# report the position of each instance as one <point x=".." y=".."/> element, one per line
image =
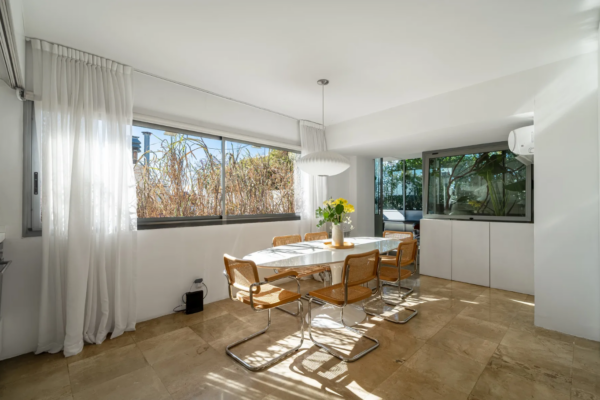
<point x="28" y="38"/>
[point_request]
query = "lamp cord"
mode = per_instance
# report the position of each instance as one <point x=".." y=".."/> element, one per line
<point x="323" y="107"/>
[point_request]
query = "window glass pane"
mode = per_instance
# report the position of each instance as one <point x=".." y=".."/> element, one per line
<point x="259" y="180"/>
<point x="414" y="184"/>
<point x="491" y="183"/>
<point x="377" y="183"/>
<point x="393" y="198"/>
<point x="177" y="175"/>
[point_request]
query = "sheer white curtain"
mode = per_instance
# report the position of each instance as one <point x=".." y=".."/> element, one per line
<point x="83" y="107"/>
<point x="314" y="188"/>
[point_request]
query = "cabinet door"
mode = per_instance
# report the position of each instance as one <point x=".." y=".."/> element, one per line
<point x="511" y="257"/>
<point x="471" y="252"/>
<point x="436" y="248"/>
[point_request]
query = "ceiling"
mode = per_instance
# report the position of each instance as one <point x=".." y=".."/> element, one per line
<point x="412" y="146"/>
<point x="377" y="54"/>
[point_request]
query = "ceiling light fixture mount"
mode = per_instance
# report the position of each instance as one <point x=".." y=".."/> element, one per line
<point x="323" y="163"/>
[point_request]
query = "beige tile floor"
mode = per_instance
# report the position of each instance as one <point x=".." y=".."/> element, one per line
<point x="468" y="342"/>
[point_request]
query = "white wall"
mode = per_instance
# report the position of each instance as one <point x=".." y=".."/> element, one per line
<point x="363" y="184"/>
<point x="20" y="299"/>
<point x="170" y="259"/>
<point x="566" y="233"/>
<point x="163" y="99"/>
<point x="356" y="185"/>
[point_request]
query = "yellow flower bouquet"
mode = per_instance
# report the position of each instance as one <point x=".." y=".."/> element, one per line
<point x="334" y="211"/>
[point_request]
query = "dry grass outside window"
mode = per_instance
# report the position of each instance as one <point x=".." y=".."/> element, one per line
<point x="183" y="179"/>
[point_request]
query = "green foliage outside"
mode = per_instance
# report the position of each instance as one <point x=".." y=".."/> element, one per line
<point x="490" y="183"/>
<point x="394" y="173"/>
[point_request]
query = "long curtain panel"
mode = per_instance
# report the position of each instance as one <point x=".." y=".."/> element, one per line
<point x="314" y="188"/>
<point x="83" y="110"/>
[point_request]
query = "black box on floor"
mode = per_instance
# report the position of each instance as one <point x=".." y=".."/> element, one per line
<point x="194" y="302"/>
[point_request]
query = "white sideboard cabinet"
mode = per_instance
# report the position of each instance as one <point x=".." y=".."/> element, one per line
<point x="436" y="248"/>
<point x="491" y="254"/>
<point x="471" y="252"/>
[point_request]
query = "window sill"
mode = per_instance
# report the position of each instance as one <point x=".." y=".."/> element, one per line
<point x="29" y="233"/>
<point x="182" y="223"/>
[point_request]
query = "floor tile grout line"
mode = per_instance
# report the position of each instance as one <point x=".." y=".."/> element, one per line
<point x="487" y="364"/>
<point x="572" y="363"/>
<point x="522" y="377"/>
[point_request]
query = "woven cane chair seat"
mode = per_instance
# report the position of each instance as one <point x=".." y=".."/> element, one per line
<point x="268" y="297"/>
<point x="390" y="274"/>
<point x="335" y="294"/>
<point x="397" y="235"/>
<point x="308" y="271"/>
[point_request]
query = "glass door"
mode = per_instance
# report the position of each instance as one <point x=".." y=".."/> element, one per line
<point x="398" y="194"/>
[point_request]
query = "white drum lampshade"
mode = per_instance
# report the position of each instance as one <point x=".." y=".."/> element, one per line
<point x="323" y="163"/>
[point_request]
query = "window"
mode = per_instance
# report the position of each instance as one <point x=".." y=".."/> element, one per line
<point x="259" y="180"/>
<point x="414" y="184"/>
<point x="377" y="185"/>
<point x="482" y="182"/>
<point x="179" y="179"/>
<point x="32" y="177"/>
<point x="177" y="174"/>
<point x="399" y="189"/>
<point x="393" y="185"/>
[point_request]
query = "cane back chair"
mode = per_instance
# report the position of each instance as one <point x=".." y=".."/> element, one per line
<point x="323" y="270"/>
<point x="399" y="235"/>
<point x="358" y="270"/>
<point x="260" y="296"/>
<point x="392" y="273"/>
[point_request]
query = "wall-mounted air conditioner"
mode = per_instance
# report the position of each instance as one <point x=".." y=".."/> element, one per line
<point x="521" y="142"/>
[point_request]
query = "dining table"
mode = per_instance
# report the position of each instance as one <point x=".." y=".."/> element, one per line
<point x="307" y="254"/>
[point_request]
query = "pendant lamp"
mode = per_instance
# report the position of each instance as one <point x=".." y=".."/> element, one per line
<point x="323" y="163"/>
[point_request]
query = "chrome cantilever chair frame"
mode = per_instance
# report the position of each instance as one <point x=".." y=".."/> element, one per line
<point x="330" y="350"/>
<point x="398" y="283"/>
<point x="268" y="310"/>
<point x="280" y="308"/>
<point x="395" y="284"/>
